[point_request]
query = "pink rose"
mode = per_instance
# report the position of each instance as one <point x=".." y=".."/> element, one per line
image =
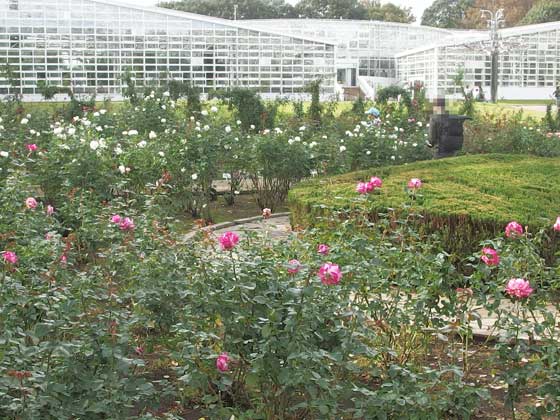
<point x="139" y="350"/>
<point x="323" y="249"/>
<point x="63" y="259"/>
<point x="115" y="218"/>
<point x="266" y="213"/>
<point x="514" y="229"/>
<point x="490" y="256"/>
<point x="294" y="266"/>
<point x="126" y="224"/>
<point x="557" y="224"/>
<point x="31" y="147"/>
<point x="10" y="257"/>
<point x="414" y="183"/>
<point x="228" y="240"/>
<point x="222" y="362"/>
<point x="30" y="203"/>
<point x="330" y="274"/>
<point x="375" y="182"/>
<point x="362" y="188"/>
<point x="50" y="210"/>
<point x="519" y="288"/>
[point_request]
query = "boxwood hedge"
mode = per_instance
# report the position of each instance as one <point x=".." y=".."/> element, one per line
<point x="467" y="199"/>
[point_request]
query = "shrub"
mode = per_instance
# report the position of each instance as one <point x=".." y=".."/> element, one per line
<point x="475" y="195"/>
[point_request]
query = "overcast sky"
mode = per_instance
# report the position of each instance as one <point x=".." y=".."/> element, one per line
<point x="418" y="6"/>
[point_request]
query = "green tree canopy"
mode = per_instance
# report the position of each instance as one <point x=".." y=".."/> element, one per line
<point x="312" y="9"/>
<point x="514" y="11"/>
<point x="247" y="9"/>
<point x="542" y="12"/>
<point x="331" y="9"/>
<point x="389" y="12"/>
<point x="446" y="13"/>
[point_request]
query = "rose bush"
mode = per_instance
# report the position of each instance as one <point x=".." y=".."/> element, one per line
<point x="107" y="313"/>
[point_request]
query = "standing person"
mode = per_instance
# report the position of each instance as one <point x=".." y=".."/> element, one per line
<point x="556" y="94"/>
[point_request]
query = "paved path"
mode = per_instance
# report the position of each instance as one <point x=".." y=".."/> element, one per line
<point x="278" y="227"/>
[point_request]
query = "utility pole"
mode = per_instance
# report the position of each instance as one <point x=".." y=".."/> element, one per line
<point x="495" y="21"/>
<point x="235" y="12"/>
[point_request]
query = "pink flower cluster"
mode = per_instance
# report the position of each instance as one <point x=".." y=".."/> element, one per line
<point x="556" y="225"/>
<point x="294" y="266"/>
<point x="222" y="362"/>
<point x="10" y="257"/>
<point x="367" y="187"/>
<point x="31" y="147"/>
<point x="414" y="184"/>
<point x="323" y="249"/>
<point x="519" y="288"/>
<point x="30" y="203"/>
<point x="490" y="257"/>
<point x="125" y="223"/>
<point x="514" y="229"/>
<point x="330" y="274"/>
<point x="228" y="240"/>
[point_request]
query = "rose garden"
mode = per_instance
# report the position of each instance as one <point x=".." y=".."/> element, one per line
<point x="407" y="287"/>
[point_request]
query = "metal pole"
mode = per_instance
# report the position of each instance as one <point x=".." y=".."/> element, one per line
<point x="495" y="19"/>
<point x="235" y="12"/>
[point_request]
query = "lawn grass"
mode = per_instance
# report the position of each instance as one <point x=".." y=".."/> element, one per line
<point x="467" y="198"/>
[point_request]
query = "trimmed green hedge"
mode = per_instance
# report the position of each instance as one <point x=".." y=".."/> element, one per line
<point x="467" y="198"/>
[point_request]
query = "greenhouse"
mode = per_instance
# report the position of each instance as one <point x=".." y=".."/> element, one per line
<point x="87" y="46"/>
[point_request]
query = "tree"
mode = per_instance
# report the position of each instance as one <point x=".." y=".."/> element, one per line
<point x="446" y="13"/>
<point x="331" y="9"/>
<point x="246" y="9"/>
<point x="388" y="12"/>
<point x="542" y="12"/>
<point x="514" y="11"/>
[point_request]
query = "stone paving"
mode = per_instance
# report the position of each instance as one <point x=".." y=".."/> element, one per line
<point x="278" y="227"/>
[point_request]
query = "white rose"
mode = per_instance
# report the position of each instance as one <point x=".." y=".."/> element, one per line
<point x="142" y="144"/>
<point x="194" y="177"/>
<point x="133" y="132"/>
<point x="152" y="135"/>
<point x="93" y="145"/>
<point x="122" y="169"/>
<point x="228" y="129"/>
<point x="342" y="148"/>
<point x="214" y="109"/>
<point x="4" y="154"/>
<point x="161" y="154"/>
<point x="24" y="121"/>
<point x="204" y="112"/>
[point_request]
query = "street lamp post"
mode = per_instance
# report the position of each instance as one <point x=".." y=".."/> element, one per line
<point x="495" y="21"/>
